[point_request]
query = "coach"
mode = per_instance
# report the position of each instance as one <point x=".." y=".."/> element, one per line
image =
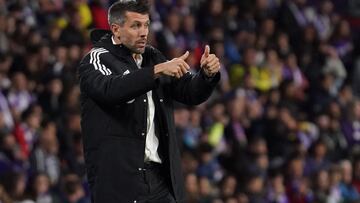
<point x="127" y="93"/>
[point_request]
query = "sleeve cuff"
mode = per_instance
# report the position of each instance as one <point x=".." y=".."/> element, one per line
<point x="211" y="79"/>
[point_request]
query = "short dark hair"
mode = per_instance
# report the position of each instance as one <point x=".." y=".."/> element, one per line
<point x="116" y="12"/>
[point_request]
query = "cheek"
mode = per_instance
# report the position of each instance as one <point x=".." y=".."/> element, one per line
<point x="130" y="37"/>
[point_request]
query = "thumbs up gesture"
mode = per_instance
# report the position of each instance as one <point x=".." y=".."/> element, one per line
<point x="176" y="67"/>
<point x="209" y="62"/>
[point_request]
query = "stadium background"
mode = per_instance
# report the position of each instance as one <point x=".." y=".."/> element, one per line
<point x="283" y="125"/>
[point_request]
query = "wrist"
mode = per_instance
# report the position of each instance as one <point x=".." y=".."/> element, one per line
<point x="208" y="74"/>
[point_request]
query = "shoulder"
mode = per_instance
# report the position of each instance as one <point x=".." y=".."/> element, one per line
<point x="95" y="54"/>
<point x="150" y="48"/>
<point x="97" y="58"/>
<point x="155" y="54"/>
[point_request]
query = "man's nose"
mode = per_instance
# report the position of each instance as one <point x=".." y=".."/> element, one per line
<point x="143" y="32"/>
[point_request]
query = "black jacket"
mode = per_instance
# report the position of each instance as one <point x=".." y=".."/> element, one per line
<point x="114" y="106"/>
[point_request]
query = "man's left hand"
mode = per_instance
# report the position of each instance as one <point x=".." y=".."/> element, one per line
<point x="209" y="62"/>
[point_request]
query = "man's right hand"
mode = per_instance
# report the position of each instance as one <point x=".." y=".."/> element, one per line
<point x="177" y="67"/>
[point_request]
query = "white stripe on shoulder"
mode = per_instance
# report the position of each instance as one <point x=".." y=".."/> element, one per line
<point x="95" y="60"/>
<point x="106" y="69"/>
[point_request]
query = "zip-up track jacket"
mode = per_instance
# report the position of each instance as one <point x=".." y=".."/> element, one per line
<point x="114" y="110"/>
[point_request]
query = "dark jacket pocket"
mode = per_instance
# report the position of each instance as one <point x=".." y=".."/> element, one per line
<point x="118" y="172"/>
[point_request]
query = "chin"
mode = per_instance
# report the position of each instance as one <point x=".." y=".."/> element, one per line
<point x="138" y="51"/>
<point x="141" y="51"/>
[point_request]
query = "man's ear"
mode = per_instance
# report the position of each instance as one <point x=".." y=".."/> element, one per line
<point x="114" y="28"/>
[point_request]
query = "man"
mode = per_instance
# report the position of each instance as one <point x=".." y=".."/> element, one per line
<point x="127" y="94"/>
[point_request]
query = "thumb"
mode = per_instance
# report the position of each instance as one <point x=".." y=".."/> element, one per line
<point x="207" y="51"/>
<point x="184" y="56"/>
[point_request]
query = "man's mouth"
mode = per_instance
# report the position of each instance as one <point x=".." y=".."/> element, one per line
<point x="141" y="43"/>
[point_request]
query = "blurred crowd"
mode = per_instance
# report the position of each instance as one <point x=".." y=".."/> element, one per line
<point x="282" y="127"/>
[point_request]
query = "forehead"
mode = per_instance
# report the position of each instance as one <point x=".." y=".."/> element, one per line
<point x="133" y="16"/>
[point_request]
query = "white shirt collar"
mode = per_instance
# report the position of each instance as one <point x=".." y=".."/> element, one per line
<point x="139" y="60"/>
<point x="112" y="39"/>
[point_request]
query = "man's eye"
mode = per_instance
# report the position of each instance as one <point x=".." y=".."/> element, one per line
<point x="134" y="26"/>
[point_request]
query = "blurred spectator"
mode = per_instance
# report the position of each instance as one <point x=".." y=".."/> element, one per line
<point x="208" y="166"/>
<point x="335" y="178"/>
<point x="189" y="32"/>
<point x="44" y="157"/>
<point x="321" y="186"/>
<point x="228" y="187"/>
<point x="255" y="188"/>
<point x="40" y="189"/>
<point x="73" y="32"/>
<point x="51" y="100"/>
<point x="292" y="17"/>
<point x="283" y="44"/>
<point x="323" y="20"/>
<point x="297" y="186"/>
<point x="193" y="131"/>
<point x="171" y="37"/>
<point x="19" y="96"/>
<point x="273" y="65"/>
<point x="206" y="190"/>
<point x="72" y="189"/>
<point x="235" y="129"/>
<point x="99" y="14"/>
<point x="189" y="162"/>
<point x="318" y="159"/>
<point x="216" y="136"/>
<point x="11" y="157"/>
<point x="350" y="125"/>
<point x="15" y="185"/>
<point x="191" y="187"/>
<point x="355" y="83"/>
<point x="213" y="10"/>
<point x="84" y="12"/>
<point x="348" y="191"/>
<point x="4" y="197"/>
<point x="249" y="68"/>
<point x="292" y="71"/>
<point x="6" y="117"/>
<point x="71" y="144"/>
<point x="335" y="67"/>
<point x="356" y="178"/>
<point x="342" y="40"/>
<point x="26" y="133"/>
<point x="276" y="189"/>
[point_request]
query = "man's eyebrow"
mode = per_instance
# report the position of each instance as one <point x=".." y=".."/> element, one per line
<point x="137" y="21"/>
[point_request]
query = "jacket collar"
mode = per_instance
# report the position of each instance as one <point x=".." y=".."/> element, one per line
<point x="102" y="38"/>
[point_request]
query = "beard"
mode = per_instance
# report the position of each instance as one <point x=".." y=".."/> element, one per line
<point x="138" y="50"/>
